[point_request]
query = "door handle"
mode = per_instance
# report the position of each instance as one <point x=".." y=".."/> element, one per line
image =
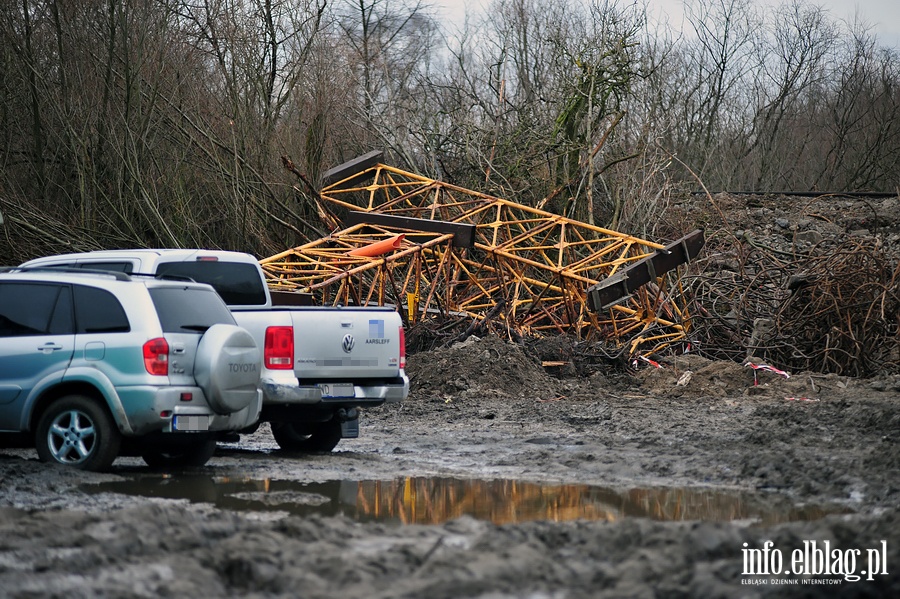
<point x="49" y="347"/>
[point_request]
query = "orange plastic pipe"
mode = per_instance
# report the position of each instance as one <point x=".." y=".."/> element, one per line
<point x="379" y="247"/>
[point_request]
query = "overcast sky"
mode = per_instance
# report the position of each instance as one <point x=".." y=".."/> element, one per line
<point x="883" y="15"/>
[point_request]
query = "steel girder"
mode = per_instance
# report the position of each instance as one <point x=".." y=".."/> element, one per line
<point x="542" y="265"/>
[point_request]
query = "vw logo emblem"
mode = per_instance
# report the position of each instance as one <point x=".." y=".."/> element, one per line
<point x="348" y="342"/>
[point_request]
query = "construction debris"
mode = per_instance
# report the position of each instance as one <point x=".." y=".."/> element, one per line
<point x="830" y="308"/>
<point x="453" y="255"/>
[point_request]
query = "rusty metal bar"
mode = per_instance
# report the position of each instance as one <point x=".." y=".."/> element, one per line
<point x="623" y="283"/>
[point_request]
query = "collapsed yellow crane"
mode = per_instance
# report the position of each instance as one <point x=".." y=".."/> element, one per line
<point x="439" y="251"/>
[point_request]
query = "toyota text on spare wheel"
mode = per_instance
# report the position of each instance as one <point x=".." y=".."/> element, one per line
<point x="227" y="368"/>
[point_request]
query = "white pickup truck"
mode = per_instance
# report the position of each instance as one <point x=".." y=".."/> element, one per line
<point x="320" y="364"/>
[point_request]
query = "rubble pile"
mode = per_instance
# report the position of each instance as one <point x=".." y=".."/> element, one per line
<point x="807" y="284"/>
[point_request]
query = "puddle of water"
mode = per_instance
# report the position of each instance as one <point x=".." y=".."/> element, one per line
<point x="428" y="500"/>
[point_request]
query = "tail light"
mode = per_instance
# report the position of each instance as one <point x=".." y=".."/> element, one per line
<point x="279" y="348"/>
<point x="402" y="348"/>
<point x="156" y="356"/>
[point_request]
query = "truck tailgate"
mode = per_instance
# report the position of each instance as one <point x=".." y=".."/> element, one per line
<point x="346" y="343"/>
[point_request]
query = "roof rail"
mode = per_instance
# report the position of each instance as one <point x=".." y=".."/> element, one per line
<point x="119" y="276"/>
<point x="164" y="277"/>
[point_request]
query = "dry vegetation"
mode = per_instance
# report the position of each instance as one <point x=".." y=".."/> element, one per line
<point x="805" y="283"/>
<point x="162" y="123"/>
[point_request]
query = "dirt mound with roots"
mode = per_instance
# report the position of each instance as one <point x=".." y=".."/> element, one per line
<point x="475" y="366"/>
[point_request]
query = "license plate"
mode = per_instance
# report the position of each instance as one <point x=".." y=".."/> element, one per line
<point x="190" y="423"/>
<point x="333" y="390"/>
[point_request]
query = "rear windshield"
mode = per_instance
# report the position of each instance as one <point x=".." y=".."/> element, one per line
<point x="239" y="284"/>
<point x="184" y="309"/>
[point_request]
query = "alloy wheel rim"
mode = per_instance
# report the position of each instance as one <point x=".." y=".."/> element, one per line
<point x="71" y="437"/>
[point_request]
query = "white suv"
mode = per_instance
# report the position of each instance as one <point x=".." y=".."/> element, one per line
<point x="95" y="364"/>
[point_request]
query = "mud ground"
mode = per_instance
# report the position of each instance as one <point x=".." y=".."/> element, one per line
<point x="487" y="409"/>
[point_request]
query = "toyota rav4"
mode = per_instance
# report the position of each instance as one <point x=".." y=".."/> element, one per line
<point x="94" y="364"/>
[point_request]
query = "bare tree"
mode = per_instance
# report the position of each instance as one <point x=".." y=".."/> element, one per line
<point x="162" y="122"/>
<point x="604" y="57"/>
<point x="390" y="49"/>
<point x="794" y="69"/>
<point x="860" y="124"/>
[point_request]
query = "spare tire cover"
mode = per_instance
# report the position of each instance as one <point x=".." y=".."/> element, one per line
<point x="227" y="368"/>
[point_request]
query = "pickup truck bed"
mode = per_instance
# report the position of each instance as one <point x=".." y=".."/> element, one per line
<point x="321" y="364"/>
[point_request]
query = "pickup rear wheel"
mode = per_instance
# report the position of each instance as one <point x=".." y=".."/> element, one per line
<point x="308" y="437"/>
<point x="77" y="431"/>
<point x="191" y="455"/>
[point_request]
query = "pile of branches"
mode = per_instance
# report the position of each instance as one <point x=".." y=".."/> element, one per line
<point x="431" y="334"/>
<point x="834" y="309"/>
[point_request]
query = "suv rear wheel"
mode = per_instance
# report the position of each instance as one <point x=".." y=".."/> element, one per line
<point x="76" y="431"/>
<point x="311" y="437"/>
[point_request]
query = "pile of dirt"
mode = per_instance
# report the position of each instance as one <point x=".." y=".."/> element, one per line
<point x="551" y="368"/>
<point x="476" y="366"/>
<point x="695" y="376"/>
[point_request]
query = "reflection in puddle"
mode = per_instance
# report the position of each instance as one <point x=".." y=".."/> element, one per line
<point x="426" y="500"/>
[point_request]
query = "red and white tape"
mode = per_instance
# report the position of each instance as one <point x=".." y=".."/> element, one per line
<point x="756" y="367"/>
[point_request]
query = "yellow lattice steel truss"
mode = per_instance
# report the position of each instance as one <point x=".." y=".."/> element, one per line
<point x="483" y="253"/>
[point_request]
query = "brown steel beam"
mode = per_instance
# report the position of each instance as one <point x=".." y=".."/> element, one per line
<point x="357" y="166"/>
<point x="624" y="282"/>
